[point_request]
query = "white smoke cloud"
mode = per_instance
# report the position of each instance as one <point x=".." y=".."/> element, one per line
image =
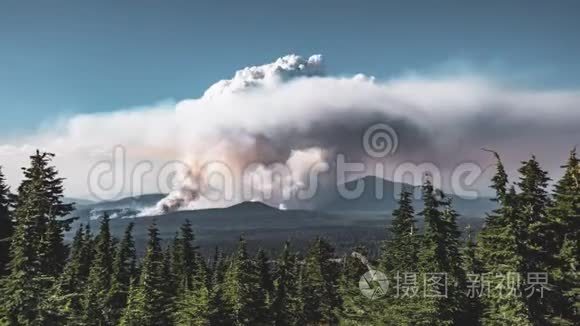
<point x="268" y="75"/>
<point x="293" y="113"/>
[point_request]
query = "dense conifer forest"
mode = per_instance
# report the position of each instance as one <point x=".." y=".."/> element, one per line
<point x="521" y="269"/>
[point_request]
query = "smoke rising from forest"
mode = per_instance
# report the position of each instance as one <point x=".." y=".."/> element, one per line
<point x="296" y="113"/>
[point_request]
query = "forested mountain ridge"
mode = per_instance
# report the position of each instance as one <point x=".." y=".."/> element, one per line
<point x="346" y="221"/>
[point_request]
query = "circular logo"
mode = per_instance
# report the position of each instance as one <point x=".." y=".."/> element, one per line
<point x="380" y="140"/>
<point x="373" y="284"/>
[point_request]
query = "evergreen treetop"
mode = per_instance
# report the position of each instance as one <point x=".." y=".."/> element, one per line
<point x="400" y="251"/>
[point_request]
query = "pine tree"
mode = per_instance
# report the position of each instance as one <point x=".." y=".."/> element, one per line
<point x="124" y="271"/>
<point x="88" y="254"/>
<point x="534" y="201"/>
<point x="566" y="209"/>
<point x="320" y="288"/>
<point x="204" y="273"/>
<point x="25" y="288"/>
<point x="538" y="230"/>
<point x="569" y="284"/>
<point x="399" y="258"/>
<point x="241" y="290"/>
<point x="431" y="256"/>
<point x="474" y="269"/>
<point x="6" y="227"/>
<point x="133" y="313"/>
<point x="565" y="216"/>
<point x="455" y="302"/>
<point x="54" y="252"/>
<point x="432" y="253"/>
<point x="265" y="287"/>
<point x="217" y="268"/>
<point x="172" y="292"/>
<point x="471" y="263"/>
<point x="219" y="313"/>
<point x="40" y="194"/>
<point x="148" y="302"/>
<point x="171" y="287"/>
<point x="439" y="261"/>
<point x="71" y="285"/>
<point x="299" y="306"/>
<point x="400" y="252"/>
<point x="286" y="297"/>
<point x="172" y="263"/>
<point x="37" y="252"/>
<point x="184" y="264"/>
<point x="71" y="278"/>
<point x="356" y="308"/>
<point x="95" y="303"/>
<point x="501" y="253"/>
<point x="194" y="306"/>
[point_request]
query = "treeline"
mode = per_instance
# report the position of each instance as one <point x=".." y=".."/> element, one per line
<point x="521" y="269"/>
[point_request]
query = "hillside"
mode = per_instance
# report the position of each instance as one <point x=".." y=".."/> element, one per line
<point x="346" y="222"/>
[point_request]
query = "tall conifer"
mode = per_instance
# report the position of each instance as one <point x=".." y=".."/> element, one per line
<point x="439" y="261"/>
<point x="241" y="288"/>
<point x="537" y="236"/>
<point x="400" y="251"/>
<point x="219" y="312"/>
<point x="124" y="272"/>
<point x="320" y="283"/>
<point x="72" y="283"/>
<point x="148" y="302"/>
<point x="6" y="227"/>
<point x="286" y="297"/>
<point x="501" y="253"/>
<point x="99" y="282"/>
<point x="37" y="252"/>
<point x="184" y="258"/>
<point x="565" y="216"/>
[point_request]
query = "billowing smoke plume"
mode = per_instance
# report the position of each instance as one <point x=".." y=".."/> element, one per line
<point x="267" y="76"/>
<point x="271" y="126"/>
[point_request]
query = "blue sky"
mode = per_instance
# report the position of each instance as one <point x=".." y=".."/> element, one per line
<point x="64" y="57"/>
